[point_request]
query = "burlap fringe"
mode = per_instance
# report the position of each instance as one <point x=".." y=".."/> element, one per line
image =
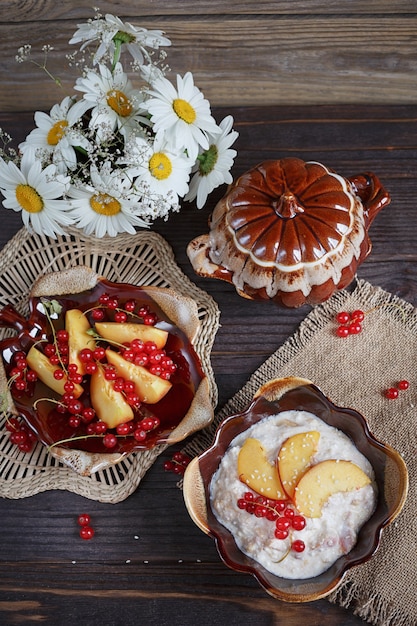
<point x="374" y="610"/>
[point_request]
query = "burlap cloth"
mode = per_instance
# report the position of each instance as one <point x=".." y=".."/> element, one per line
<point x="354" y="372"/>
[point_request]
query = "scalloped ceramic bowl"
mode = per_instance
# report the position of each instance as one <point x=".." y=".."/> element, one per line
<point x="186" y="408"/>
<point x="282" y="395"/>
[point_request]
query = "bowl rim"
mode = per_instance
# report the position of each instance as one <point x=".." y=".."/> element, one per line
<point x="266" y="401"/>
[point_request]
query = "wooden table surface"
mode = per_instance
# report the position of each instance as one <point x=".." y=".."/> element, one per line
<point x="148" y="563"/>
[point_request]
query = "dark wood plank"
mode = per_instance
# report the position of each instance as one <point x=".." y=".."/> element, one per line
<point x="240" y="59"/>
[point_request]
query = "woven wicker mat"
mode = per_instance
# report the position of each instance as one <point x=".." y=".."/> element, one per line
<point x="141" y="259"/>
<point x="354" y="372"/>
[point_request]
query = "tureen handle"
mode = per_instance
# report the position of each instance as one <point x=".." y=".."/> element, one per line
<point x="372" y="193"/>
<point x="10" y="318"/>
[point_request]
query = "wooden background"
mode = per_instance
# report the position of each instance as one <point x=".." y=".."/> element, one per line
<point x="244" y="52"/>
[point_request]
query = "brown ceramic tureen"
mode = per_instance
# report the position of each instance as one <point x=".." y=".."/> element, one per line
<point x="290" y="231"/>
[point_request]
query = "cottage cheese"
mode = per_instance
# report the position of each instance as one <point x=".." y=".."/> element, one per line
<point x="326" y="538"/>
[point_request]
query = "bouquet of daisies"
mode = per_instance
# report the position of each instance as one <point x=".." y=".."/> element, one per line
<point x="114" y="156"/>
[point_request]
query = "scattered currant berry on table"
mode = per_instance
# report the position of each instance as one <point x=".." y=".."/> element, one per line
<point x="391" y="393"/>
<point x="86" y="532"/>
<point x="84" y="519"/>
<point x="403" y="385"/>
<point x="178" y="463"/>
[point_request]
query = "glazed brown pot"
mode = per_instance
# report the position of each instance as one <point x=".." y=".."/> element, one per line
<point x="290" y="231"/>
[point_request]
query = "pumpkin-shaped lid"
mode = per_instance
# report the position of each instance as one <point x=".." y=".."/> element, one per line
<point x="290" y="230"/>
<point x="289" y="212"/>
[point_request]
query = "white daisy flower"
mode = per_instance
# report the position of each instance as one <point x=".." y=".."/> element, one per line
<point x="37" y="193"/>
<point x="107" y="204"/>
<point x="181" y="116"/>
<point x="214" y="164"/>
<point x="112" y="34"/>
<point x="114" y="102"/>
<point x="161" y="174"/>
<point x="56" y="134"/>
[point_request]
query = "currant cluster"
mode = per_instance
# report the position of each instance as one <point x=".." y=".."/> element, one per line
<point x="20" y="434"/>
<point x="86" y="530"/>
<point x="278" y="511"/>
<point x="393" y="392"/>
<point x="21" y="375"/>
<point x="349" y="323"/>
<point x="177" y="463"/>
<point x="148" y="317"/>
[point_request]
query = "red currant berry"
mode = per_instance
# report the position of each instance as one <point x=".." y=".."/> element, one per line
<point x="109" y="440"/>
<point x="281" y="534"/>
<point x="289" y="512"/>
<point x="99" y="353"/>
<point x="104" y="298"/>
<point x="74" y="421"/>
<point x="242" y="503"/>
<point x="168" y="466"/>
<point x="97" y="315"/>
<point x="391" y="393"/>
<point x="139" y="435"/>
<point x="355" y="328"/>
<point x="298" y="522"/>
<point x="342" y="331"/>
<point x="20" y="385"/>
<point x="120" y="317"/>
<point x="280" y="505"/>
<point x="343" y="317"/>
<point x="59" y="374"/>
<point x="298" y="545"/>
<point x="113" y="303"/>
<point x="31" y="376"/>
<point x="130" y="305"/>
<point x="62" y="336"/>
<point x="88" y="414"/>
<point x="86" y="533"/>
<point x="283" y="523"/>
<point x="86" y="355"/>
<point x="123" y="429"/>
<point x="91" y="367"/>
<point x="100" y="428"/>
<point x="358" y="315"/>
<point x="403" y="385"/>
<point x="84" y="519"/>
<point x="74" y="407"/>
<point x="248" y="496"/>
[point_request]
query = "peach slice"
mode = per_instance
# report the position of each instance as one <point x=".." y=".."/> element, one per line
<point x="77" y="325"/>
<point x="257" y="472"/>
<point x="40" y="364"/>
<point x="109" y="405"/>
<point x="294" y="458"/>
<point x="125" y="333"/>
<point x="325" y="479"/>
<point x="150" y="388"/>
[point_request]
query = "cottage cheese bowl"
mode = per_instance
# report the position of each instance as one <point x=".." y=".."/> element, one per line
<point x="344" y="531"/>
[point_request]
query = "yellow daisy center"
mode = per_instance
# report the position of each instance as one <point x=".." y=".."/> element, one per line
<point x="160" y="166"/>
<point x="119" y="102"/>
<point x="29" y="199"/>
<point x="103" y="204"/>
<point x="56" y="132"/>
<point x="184" y="110"/>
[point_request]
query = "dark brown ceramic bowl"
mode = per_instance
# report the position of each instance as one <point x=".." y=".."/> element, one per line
<point x="300" y="394"/>
<point x="187" y="406"/>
